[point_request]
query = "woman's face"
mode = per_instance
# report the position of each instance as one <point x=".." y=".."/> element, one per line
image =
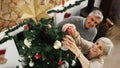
<point x="91" y="22"/>
<point x="97" y="49"/>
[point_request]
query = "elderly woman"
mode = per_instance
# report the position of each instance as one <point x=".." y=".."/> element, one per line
<point x="90" y="55"/>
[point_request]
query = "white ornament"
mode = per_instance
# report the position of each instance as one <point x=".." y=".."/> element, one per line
<point x="73" y="63"/>
<point x="31" y="64"/>
<point x="64" y="48"/>
<point x="27" y="43"/>
<point x="57" y="44"/>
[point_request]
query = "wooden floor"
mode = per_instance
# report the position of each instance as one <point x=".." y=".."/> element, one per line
<point x="113" y="61"/>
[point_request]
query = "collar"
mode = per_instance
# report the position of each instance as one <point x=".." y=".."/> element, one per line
<point x="83" y="22"/>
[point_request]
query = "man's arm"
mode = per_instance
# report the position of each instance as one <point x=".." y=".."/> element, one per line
<point x="67" y="20"/>
<point x="73" y="20"/>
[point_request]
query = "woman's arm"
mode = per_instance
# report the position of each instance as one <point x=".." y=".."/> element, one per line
<point x="79" y="40"/>
<point x="84" y="44"/>
<point x="69" y="42"/>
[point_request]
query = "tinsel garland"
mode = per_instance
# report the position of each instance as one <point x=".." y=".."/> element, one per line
<point x="66" y="8"/>
<point x="7" y="36"/>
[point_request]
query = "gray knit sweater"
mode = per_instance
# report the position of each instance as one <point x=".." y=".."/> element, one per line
<point x="88" y="34"/>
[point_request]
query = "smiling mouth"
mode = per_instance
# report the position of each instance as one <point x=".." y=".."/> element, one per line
<point x="90" y="26"/>
<point x="93" y="50"/>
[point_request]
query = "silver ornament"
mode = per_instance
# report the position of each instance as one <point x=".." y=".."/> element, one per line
<point x="23" y="48"/>
<point x="73" y="63"/>
<point x="48" y="63"/>
<point x="64" y="48"/>
<point x="64" y="65"/>
<point x="23" y="61"/>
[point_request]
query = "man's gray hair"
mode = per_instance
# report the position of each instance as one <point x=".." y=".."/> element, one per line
<point x="96" y="13"/>
<point x="108" y="45"/>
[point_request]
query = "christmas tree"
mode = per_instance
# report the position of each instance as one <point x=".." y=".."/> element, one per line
<point x="38" y="39"/>
<point x="39" y="45"/>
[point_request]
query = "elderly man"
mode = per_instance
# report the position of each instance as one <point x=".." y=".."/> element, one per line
<point x="85" y="26"/>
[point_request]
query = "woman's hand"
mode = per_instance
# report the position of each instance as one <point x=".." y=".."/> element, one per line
<point x="69" y="42"/>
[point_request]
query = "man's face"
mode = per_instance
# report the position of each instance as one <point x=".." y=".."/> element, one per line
<point x="91" y="22"/>
<point x="97" y="49"/>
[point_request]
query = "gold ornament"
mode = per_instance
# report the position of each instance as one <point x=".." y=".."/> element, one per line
<point x="35" y="11"/>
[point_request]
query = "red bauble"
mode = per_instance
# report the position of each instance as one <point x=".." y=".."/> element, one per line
<point x="60" y="62"/>
<point x="69" y="30"/>
<point x="67" y="15"/>
<point x="2" y="51"/>
<point x="37" y="56"/>
<point x="26" y="27"/>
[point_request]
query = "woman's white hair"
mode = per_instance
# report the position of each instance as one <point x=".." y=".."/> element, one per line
<point x="96" y="13"/>
<point x="108" y="45"/>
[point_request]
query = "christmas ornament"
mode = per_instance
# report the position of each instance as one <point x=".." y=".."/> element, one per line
<point x="3" y="60"/>
<point x="64" y="48"/>
<point x="69" y="30"/>
<point x="73" y="63"/>
<point x="65" y="64"/>
<point x="2" y="51"/>
<point x="31" y="64"/>
<point x="37" y="56"/>
<point x="26" y="27"/>
<point x="23" y="47"/>
<point x="27" y="43"/>
<point x="66" y="15"/>
<point x="35" y="11"/>
<point x="68" y="27"/>
<point x="57" y="44"/>
<point x="23" y="61"/>
<point x="49" y="26"/>
<point x="60" y="62"/>
<point x="48" y="63"/>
